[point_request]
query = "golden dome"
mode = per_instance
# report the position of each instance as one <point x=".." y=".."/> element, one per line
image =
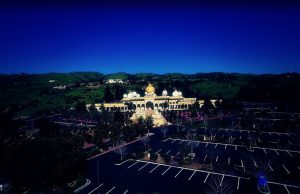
<point x="150" y="89"/>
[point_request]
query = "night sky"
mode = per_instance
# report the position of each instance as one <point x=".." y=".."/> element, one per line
<point x="158" y="39"/>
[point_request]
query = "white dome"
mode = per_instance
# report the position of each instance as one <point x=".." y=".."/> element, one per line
<point x="133" y="95"/>
<point x="165" y="93"/>
<point x="177" y="93"/>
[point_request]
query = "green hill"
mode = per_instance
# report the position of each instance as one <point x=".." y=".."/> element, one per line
<point x="29" y="94"/>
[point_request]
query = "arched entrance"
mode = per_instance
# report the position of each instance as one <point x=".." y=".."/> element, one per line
<point x="149" y="105"/>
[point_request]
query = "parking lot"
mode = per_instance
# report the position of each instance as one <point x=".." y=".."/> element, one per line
<point x="232" y="165"/>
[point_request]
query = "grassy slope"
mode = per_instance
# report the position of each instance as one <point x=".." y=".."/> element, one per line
<point x="34" y="92"/>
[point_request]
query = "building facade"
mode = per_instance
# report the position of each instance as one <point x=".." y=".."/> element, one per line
<point x="150" y="100"/>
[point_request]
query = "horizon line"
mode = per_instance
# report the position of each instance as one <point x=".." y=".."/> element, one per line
<point x="122" y="72"/>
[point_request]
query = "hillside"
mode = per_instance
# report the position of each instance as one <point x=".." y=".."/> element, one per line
<point x="29" y="94"/>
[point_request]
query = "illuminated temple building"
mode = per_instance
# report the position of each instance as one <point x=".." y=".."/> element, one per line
<point x="174" y="102"/>
<point x="150" y="100"/>
<point x="150" y="104"/>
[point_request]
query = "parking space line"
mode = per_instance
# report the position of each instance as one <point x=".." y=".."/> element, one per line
<point x="276" y="152"/>
<point x="178" y="173"/>
<point x="289" y="153"/>
<point x="265" y="150"/>
<point x="178" y="153"/>
<point x="168" y="152"/>
<point x="285" y="185"/>
<point x="173" y="141"/>
<point x="119" y="164"/>
<point x="166" y="170"/>
<point x="259" y="140"/>
<point x="206" y="144"/>
<point x="197" y="170"/>
<point x="205" y="157"/>
<point x="181" y="142"/>
<point x="192" y="175"/>
<point x="235" y="148"/>
<point x="286" y="189"/>
<point x="125" y="192"/>
<point x="217" y="158"/>
<point x="206" y="177"/>
<point x="225" y="147"/>
<point x="189" y="142"/>
<point x="270" y="167"/>
<point x="276" y="149"/>
<point x="143" y="166"/>
<point x="242" y="164"/>
<point x="288" y="172"/>
<point x="216" y="146"/>
<point x="122" y="145"/>
<point x="228" y="160"/>
<point x="238" y="184"/>
<point x="110" y="190"/>
<point x="197" y="144"/>
<point x="240" y="130"/>
<point x="132" y="165"/>
<point x="255" y="164"/>
<point x="96" y="188"/>
<point x="222" y="180"/>
<point x="275" y="183"/>
<point x="154" y="168"/>
<point x="158" y="151"/>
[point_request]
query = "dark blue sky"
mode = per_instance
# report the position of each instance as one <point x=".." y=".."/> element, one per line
<point x="159" y="40"/>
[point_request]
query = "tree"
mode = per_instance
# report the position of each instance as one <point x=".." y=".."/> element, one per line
<point x="141" y="127"/>
<point x="118" y="116"/>
<point x="99" y="136"/>
<point x="165" y="105"/>
<point x="164" y="130"/>
<point x="59" y="160"/>
<point x="153" y="156"/>
<point x="130" y="105"/>
<point x="149" y="123"/>
<point x="218" y="104"/>
<point x="196" y="105"/>
<point x="102" y="107"/>
<point x="92" y="108"/>
<point x="108" y="97"/>
<point x="207" y="105"/>
<point x="81" y="107"/>
<point x="129" y="132"/>
<point x="119" y="91"/>
<point x="47" y="128"/>
<point x="115" y="132"/>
